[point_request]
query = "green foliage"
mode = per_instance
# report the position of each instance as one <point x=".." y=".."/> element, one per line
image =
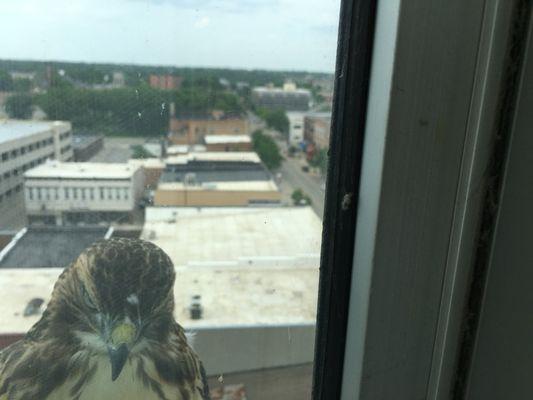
<point x="6" y="82"/>
<point x="140" y="152"/>
<point x="203" y="100"/>
<point x="22" y="85"/>
<point x="275" y="119"/>
<point x="300" y="198"/>
<point x="267" y="149"/>
<point x="137" y="112"/>
<point x="320" y="160"/>
<point x="19" y="106"/>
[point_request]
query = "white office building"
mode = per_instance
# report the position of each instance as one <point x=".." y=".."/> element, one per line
<point x="24" y="145"/>
<point x="296" y="127"/>
<point x="82" y="193"/>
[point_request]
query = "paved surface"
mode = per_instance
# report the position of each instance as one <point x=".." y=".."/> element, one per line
<point x="116" y="150"/>
<point x="13" y="212"/>
<point x="292" y="173"/>
<point x="288" y="383"/>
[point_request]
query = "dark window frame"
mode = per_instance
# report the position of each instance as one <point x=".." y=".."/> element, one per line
<point x="354" y="57"/>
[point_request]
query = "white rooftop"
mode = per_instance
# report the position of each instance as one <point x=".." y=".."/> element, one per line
<point x="259" y="186"/>
<point x="278" y="90"/>
<point x="85" y="170"/>
<point x="245" y="156"/>
<point x="244" y="296"/>
<point x="151" y="162"/>
<point x="11" y="129"/>
<point x="184" y="148"/>
<point x="221" y="139"/>
<point x="236" y="236"/>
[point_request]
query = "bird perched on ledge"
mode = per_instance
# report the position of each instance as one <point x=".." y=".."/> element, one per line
<point x="108" y="332"/>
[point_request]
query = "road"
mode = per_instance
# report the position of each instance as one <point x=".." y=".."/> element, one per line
<point x="292" y="173"/>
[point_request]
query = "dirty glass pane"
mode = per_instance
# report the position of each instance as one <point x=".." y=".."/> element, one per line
<point x="162" y="177"/>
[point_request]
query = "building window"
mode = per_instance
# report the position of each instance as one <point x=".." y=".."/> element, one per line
<point x="75" y="193"/>
<point x="126" y="194"/>
<point x="47" y="193"/>
<point x="7" y="175"/>
<point x="5" y="156"/>
<point x="91" y="193"/>
<point x="109" y="194"/>
<point x="102" y="195"/>
<point x="18" y="188"/>
<point x="66" y="190"/>
<point x="30" y="194"/>
<point x="117" y="193"/>
<point x="82" y="193"/>
<point x="56" y="193"/>
<point x="38" y="193"/>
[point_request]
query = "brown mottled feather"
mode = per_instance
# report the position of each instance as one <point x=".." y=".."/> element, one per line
<point x="52" y="362"/>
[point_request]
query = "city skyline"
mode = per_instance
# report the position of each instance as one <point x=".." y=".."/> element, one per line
<point x="275" y="35"/>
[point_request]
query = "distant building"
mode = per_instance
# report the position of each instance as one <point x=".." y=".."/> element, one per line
<point x="296" y="127"/>
<point x="228" y="143"/>
<point x="24" y="145"/>
<point x="82" y="193"/>
<point x="118" y="79"/>
<point x="216" y="179"/>
<point x="288" y="98"/>
<point x="317" y="128"/>
<point x="191" y="129"/>
<point x="152" y="168"/>
<point x="86" y="146"/>
<point x="31" y="247"/>
<point x="165" y="82"/>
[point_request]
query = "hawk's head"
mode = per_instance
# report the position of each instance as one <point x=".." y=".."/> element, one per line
<point x="116" y="298"/>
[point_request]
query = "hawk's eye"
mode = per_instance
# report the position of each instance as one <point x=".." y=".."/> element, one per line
<point x="88" y="301"/>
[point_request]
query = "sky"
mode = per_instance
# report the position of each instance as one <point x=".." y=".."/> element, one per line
<point x="251" y="34"/>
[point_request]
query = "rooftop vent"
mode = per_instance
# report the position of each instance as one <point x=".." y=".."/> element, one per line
<point x="33" y="307"/>
<point x="196" y="309"/>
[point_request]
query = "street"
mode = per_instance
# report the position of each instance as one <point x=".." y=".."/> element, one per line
<point x="292" y="173"/>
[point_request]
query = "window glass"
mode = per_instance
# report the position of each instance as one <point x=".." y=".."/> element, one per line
<point x="200" y="127"/>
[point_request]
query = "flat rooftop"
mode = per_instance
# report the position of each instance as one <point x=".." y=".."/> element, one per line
<point x="82" y="141"/>
<point x="235" y="156"/>
<point x="255" y="186"/>
<point x="54" y="169"/>
<point x="243" y="296"/>
<point x="48" y="246"/>
<point x="222" y="139"/>
<point x="278" y="90"/>
<point x="236" y="236"/>
<point x="184" y="149"/>
<point x="12" y="129"/>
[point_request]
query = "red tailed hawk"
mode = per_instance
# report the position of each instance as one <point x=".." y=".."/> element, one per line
<point x="108" y="332"/>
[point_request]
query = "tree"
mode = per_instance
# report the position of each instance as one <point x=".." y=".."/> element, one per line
<point x="275" y="119"/>
<point x="300" y="198"/>
<point x="267" y="149"/>
<point x="320" y="160"/>
<point x="6" y="82"/>
<point x="19" y="106"/>
<point x="140" y="152"/>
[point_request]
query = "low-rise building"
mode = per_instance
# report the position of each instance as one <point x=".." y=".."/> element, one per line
<point x="317" y="127"/>
<point x="244" y="193"/>
<point x="228" y="143"/>
<point x="86" y="146"/>
<point x="165" y="82"/>
<point x="24" y="145"/>
<point x="288" y="98"/>
<point x="49" y="246"/>
<point x="216" y="179"/>
<point x="192" y="129"/>
<point x="82" y="193"/>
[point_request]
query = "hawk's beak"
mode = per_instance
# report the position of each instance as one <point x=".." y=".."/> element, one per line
<point x="122" y="337"/>
<point x="118" y="357"/>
